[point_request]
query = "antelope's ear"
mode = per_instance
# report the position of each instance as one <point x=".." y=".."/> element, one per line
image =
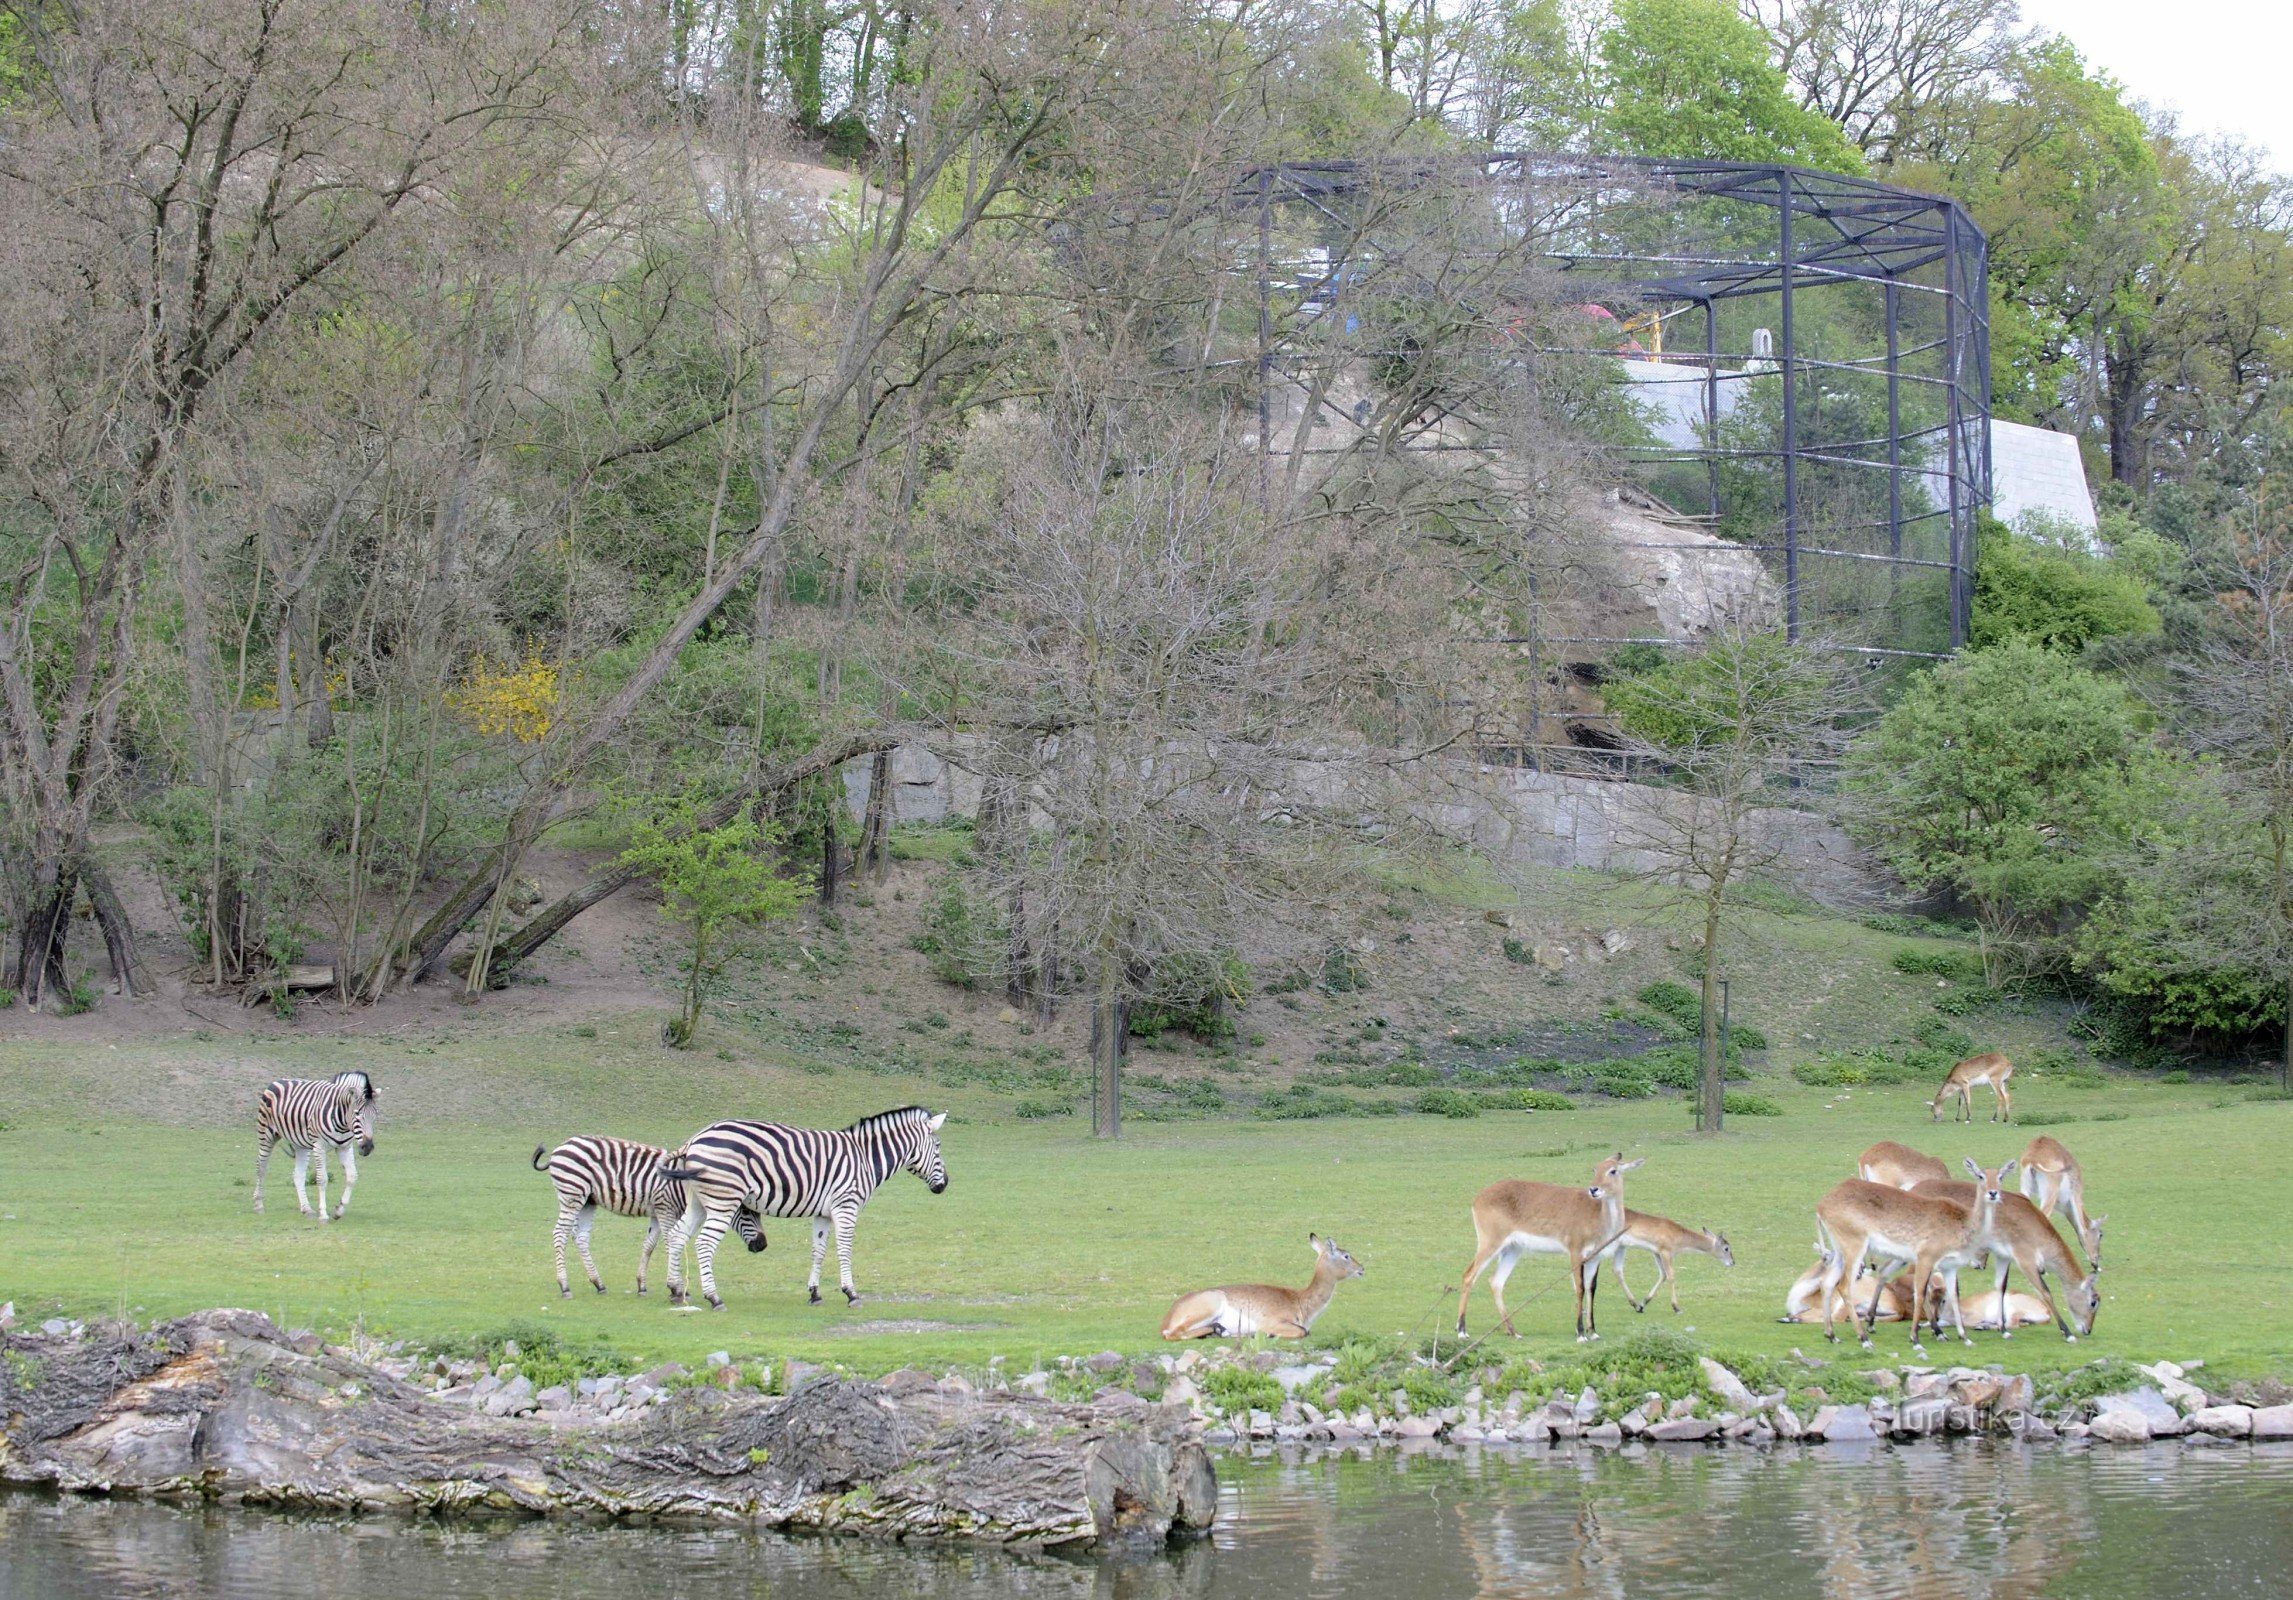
<point x="936" y="1122"/>
<point x="1974" y="1167"/>
<point x="2007" y="1171"/>
<point x="2104" y="1217"/>
<point x="1627" y="1166"/>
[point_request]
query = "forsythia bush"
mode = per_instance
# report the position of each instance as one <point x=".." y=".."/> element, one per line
<point x="518" y="699"/>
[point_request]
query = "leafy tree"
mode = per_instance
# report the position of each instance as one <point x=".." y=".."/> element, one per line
<point x="2008" y="776"/>
<point x="2061" y="599"/>
<point x="1733" y="725"/>
<point x="709" y="878"/>
<point x="1694" y="78"/>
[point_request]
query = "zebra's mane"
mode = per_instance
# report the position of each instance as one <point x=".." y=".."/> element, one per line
<point x="364" y="1083"/>
<point x="886" y="1119"/>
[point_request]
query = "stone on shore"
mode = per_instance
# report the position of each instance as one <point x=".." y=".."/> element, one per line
<point x="2224" y="1422"/>
<point x="2123" y="1426"/>
<point x="2273" y="1422"/>
<point x="1842" y="1425"/>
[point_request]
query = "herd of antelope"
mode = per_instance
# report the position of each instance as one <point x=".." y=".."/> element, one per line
<point x="1890" y="1243"/>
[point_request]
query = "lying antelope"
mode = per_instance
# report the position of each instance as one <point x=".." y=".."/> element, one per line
<point x="1242" y="1309"/>
<point x="1990" y="1068"/>
<point x="1890" y="1301"/>
<point x="2052" y="1181"/>
<point x="1662" y="1238"/>
<point x="1513" y="1218"/>
<point x="2019" y="1234"/>
<point x="1898" y="1166"/>
<point x="1986" y="1312"/>
<point x="1929" y="1233"/>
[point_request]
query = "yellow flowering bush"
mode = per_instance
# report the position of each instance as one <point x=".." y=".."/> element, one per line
<point x="516" y="698"/>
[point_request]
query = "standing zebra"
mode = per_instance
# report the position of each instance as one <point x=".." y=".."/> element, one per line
<point x="825" y="1174"/>
<point x="309" y="1114"/>
<point x="625" y="1178"/>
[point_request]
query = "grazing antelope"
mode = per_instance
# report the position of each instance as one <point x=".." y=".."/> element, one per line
<point x="2053" y="1182"/>
<point x="1242" y="1309"/>
<point x="1990" y="1068"/>
<point x="1662" y="1238"/>
<point x="1898" y="1166"/>
<point x="1514" y="1218"/>
<point x="2020" y="1235"/>
<point x="1859" y="1221"/>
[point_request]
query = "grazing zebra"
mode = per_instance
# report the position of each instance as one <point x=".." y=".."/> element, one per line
<point x="625" y="1178"/>
<point x="308" y="1114"/>
<point x="821" y="1173"/>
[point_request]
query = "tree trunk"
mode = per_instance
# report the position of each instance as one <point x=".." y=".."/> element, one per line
<point x="831" y="851"/>
<point x="111" y="917"/>
<point x="1711" y="1086"/>
<point x="876" y="830"/>
<point x="40" y="949"/>
<point x="1110" y="1037"/>
<point x="2285" y="1062"/>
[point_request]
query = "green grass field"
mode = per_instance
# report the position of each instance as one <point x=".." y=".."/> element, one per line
<point x="1045" y="1243"/>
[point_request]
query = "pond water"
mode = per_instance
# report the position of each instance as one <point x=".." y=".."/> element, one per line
<point x="1978" y="1520"/>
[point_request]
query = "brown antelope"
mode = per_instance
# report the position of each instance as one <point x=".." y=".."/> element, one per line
<point x="1859" y="1221"/>
<point x="1512" y="1219"/>
<point x="1990" y="1068"/>
<point x="1662" y="1238"/>
<point x="2052" y="1181"/>
<point x="1804" y="1303"/>
<point x="1898" y="1166"/>
<point x="2020" y="1236"/>
<point x="1241" y="1309"/>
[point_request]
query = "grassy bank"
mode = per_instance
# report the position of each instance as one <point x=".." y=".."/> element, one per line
<point x="125" y="1184"/>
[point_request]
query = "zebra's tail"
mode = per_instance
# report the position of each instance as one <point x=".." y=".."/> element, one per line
<point x="538" y="1152"/>
<point x="676" y="1169"/>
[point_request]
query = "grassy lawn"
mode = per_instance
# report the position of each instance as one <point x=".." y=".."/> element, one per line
<point x="125" y="1180"/>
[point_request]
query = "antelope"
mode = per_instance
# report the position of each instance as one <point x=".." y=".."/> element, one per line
<point x="2052" y="1182"/>
<point x="1859" y="1220"/>
<point x="1662" y="1238"/>
<point x="1513" y="1218"/>
<point x="1242" y="1309"/>
<point x="1988" y="1311"/>
<point x="2019" y="1234"/>
<point x="1804" y="1303"/>
<point x="1898" y="1166"/>
<point x="1990" y="1068"/>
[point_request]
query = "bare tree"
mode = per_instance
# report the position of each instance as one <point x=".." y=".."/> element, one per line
<point x="1877" y="67"/>
<point x="1734" y="728"/>
<point x="176" y="181"/>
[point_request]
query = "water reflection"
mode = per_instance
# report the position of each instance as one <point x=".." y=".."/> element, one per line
<point x="1983" y="1521"/>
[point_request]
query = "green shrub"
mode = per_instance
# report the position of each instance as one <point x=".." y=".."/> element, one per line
<point x="1342" y="971"/>
<point x="1428" y="1389"/>
<point x="1736" y="1103"/>
<point x="1954" y="964"/>
<point x="1526" y="1100"/>
<point x="1035" y="1109"/>
<point x="2090" y="1382"/>
<point x="1969" y="1001"/>
<point x="1305" y="1102"/>
<point x="1193" y="994"/>
<point x="1518" y="953"/>
<point x="1233" y="1391"/>
<point x="964" y="939"/>
<point x="1852" y="1070"/>
<point x="545" y="1357"/>
<point x="2059" y="599"/>
<point x="1937" y="1034"/>
<point x="1447" y="1103"/>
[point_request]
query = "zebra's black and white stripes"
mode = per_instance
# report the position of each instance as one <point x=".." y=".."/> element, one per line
<point x="626" y="1178"/>
<point x="822" y="1173"/>
<point x="308" y="1115"/>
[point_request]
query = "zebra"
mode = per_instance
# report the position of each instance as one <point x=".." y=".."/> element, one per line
<point x="309" y="1114"/>
<point x="825" y="1174"/>
<point x="624" y="1177"/>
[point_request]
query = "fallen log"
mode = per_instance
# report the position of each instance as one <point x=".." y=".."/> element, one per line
<point x="224" y="1406"/>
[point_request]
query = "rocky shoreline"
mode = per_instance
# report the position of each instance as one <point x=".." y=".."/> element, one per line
<point x="1917" y="1403"/>
<point x="224" y="1406"/>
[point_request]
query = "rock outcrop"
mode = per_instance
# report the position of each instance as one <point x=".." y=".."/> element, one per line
<point x="225" y="1406"/>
